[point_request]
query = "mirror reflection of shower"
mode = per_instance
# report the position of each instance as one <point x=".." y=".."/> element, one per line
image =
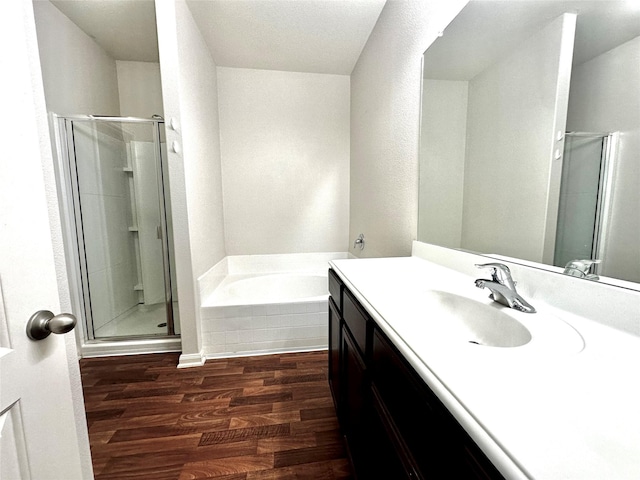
<point x="585" y="188"/>
<point x="117" y="177"/>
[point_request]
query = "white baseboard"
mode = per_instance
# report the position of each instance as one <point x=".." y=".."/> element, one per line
<point x="191" y="360"/>
<point x="273" y="351"/>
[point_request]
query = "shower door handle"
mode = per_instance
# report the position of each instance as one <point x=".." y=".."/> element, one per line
<point x="43" y="323"/>
<point x="159" y="232"/>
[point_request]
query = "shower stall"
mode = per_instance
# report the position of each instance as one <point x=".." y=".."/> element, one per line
<point x="114" y="182"/>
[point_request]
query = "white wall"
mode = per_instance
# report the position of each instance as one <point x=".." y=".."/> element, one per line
<point x="78" y="75"/>
<point x="604" y="98"/>
<point x="189" y="89"/>
<point x="285" y="161"/>
<point x="385" y="118"/>
<point x="515" y="107"/>
<point x="442" y="156"/>
<point x="140" y="89"/>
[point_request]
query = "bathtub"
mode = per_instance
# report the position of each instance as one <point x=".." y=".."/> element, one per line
<point x="257" y="304"/>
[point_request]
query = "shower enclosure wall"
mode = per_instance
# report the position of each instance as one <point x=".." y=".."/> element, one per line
<point x="119" y="226"/>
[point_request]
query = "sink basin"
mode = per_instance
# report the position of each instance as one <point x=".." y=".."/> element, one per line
<point x="478" y="323"/>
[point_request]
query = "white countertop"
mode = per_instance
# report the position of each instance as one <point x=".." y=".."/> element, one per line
<point x="538" y="411"/>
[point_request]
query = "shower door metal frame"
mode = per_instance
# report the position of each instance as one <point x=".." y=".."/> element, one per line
<point x="69" y="191"/>
<point x="166" y="260"/>
<point x="605" y="191"/>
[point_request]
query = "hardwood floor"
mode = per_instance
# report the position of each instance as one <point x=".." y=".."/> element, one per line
<point x="253" y="418"/>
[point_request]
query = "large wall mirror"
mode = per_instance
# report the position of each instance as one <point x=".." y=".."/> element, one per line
<point x="530" y="134"/>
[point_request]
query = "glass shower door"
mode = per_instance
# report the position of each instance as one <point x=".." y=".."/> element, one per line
<point x="121" y="223"/>
<point x="581" y="213"/>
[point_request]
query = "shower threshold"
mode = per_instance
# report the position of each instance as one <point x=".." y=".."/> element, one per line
<point x="107" y="347"/>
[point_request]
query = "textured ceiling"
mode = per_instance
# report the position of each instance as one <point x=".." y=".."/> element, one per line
<point x="485" y="30"/>
<point x="322" y="36"/>
<point x="125" y="29"/>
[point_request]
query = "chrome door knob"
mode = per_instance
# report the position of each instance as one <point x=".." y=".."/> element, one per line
<point x="43" y="323"/>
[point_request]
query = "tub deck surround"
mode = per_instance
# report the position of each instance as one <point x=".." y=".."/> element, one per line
<point x="537" y="411"/>
<point x="267" y="289"/>
<point x="257" y="304"/>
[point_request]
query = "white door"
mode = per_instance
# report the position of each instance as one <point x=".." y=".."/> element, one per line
<point x="43" y="433"/>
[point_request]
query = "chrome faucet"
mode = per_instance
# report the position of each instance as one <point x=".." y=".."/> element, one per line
<point x="359" y="241"/>
<point x="580" y="269"/>
<point x="503" y="288"/>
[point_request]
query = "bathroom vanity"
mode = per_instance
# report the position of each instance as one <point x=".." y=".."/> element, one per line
<point x="418" y="398"/>
<point x="395" y="426"/>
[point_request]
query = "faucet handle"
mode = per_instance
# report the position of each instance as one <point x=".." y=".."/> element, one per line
<point x="505" y="273"/>
<point x="581" y="265"/>
<point x="580" y="268"/>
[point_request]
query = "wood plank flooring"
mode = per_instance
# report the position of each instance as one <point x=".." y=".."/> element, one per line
<point x="252" y="418"/>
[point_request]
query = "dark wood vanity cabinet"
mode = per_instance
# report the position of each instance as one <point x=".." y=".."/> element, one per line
<point x="395" y="426"/>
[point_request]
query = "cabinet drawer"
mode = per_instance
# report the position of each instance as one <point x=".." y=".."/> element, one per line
<point x="356" y="320"/>
<point x="335" y="289"/>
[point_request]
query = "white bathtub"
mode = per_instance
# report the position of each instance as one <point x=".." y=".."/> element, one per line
<point x="257" y="304"/>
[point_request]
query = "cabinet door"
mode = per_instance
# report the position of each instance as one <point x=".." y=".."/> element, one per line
<point x="412" y="407"/>
<point x="439" y="445"/>
<point x="335" y="338"/>
<point x="475" y="463"/>
<point x="387" y="458"/>
<point x="354" y="400"/>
